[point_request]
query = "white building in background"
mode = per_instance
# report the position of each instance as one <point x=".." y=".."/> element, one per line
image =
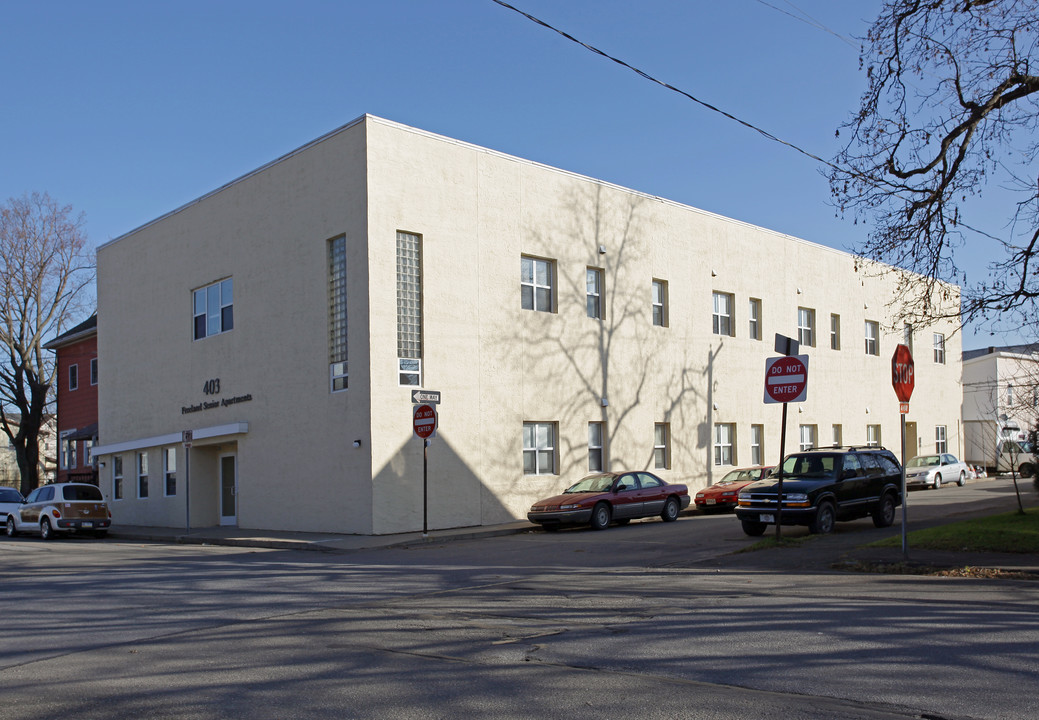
<point x="1000" y="406"/>
<point x="286" y="317"/>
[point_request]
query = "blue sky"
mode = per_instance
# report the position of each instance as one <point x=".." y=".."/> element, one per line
<point x="127" y="110"/>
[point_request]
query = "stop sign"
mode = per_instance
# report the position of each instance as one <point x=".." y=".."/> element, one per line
<point x="903" y="374"/>
<point x="425" y="417"/>
<point x="786" y="379"/>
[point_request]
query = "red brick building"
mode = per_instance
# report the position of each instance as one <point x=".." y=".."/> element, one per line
<point x="76" y="381"/>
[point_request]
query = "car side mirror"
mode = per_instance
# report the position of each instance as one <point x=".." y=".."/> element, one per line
<point x="621" y="487"/>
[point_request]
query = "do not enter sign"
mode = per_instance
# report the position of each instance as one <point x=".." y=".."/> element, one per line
<point x="903" y="373"/>
<point x="425" y="417"/>
<point x="786" y="379"/>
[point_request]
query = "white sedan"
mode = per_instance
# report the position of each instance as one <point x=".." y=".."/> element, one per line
<point x="933" y="470"/>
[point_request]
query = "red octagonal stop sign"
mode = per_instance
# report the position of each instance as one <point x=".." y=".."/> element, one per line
<point x="903" y="373"/>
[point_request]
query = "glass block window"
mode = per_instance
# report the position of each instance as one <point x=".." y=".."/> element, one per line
<point x="338" y="375"/>
<point x="409" y="308"/>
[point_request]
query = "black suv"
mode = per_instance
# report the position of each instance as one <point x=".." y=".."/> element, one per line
<point x="824" y="485"/>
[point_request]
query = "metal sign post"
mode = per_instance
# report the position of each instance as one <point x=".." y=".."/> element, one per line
<point x="186" y="438"/>
<point x="903" y="380"/>
<point x="425" y="424"/>
<point x="786" y="381"/>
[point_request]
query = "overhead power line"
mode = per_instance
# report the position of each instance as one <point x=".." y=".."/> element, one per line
<point x="652" y="79"/>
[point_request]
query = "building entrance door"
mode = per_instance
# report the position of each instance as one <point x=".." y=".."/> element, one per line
<point x="228" y="490"/>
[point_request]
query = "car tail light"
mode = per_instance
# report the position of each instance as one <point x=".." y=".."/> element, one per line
<point x="57" y="513"/>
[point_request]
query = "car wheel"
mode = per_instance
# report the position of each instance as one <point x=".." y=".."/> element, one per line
<point x="937" y="482"/>
<point x="963" y="479"/>
<point x="45" y="529"/>
<point x="1027" y="470"/>
<point x="884" y="515"/>
<point x="754" y="528"/>
<point x="825" y="518"/>
<point x="601" y="517"/>
<point x="11" y="529"/>
<point x="671" y="510"/>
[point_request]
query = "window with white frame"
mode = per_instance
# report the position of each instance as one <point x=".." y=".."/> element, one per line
<point x="593" y="293"/>
<point x="754" y="314"/>
<point x="838" y="435"/>
<point x="872" y="337"/>
<point x="67" y="448"/>
<point x="721" y="320"/>
<point x="73" y="377"/>
<point x="88" y="454"/>
<point x="93" y="371"/>
<point x="939" y="348"/>
<point x="807" y="436"/>
<point x="835" y="332"/>
<point x="595" y="454"/>
<point x="1010" y="396"/>
<point x="409" y="308"/>
<point x="169" y="471"/>
<point x="724" y="437"/>
<point x="941" y="443"/>
<point x="757" y="444"/>
<point x="213" y="309"/>
<point x="662" y="446"/>
<point x="117" y="477"/>
<point x="872" y="436"/>
<point x="806" y="327"/>
<point x="537" y="282"/>
<point x="659" y="299"/>
<point x="539" y="448"/>
<point x="142" y="475"/>
<point x="338" y="374"/>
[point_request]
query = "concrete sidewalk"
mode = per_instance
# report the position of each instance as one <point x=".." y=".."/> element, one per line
<point x="321" y="542"/>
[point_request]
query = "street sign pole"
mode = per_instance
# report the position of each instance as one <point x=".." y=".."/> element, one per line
<point x="779" y="482"/>
<point x="903" y="380"/>
<point x="186" y="437"/>
<point x="905" y="499"/>
<point x="424" y="420"/>
<point x="425" y="488"/>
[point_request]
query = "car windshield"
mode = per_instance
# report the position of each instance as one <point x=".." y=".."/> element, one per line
<point x="738" y="476"/>
<point x="810" y="466"/>
<point x="81" y="492"/>
<point x="924" y="461"/>
<point x="592" y="483"/>
<point x="10" y="495"/>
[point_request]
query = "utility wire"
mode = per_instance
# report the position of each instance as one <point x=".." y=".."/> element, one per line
<point x="652" y="79"/>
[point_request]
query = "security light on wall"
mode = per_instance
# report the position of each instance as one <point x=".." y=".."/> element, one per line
<point x="605" y="402"/>
<point x="602" y="249"/>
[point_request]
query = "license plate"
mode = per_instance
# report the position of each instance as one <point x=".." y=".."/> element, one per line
<point x="767" y="518"/>
<point x="88" y="524"/>
<point x="712" y="502"/>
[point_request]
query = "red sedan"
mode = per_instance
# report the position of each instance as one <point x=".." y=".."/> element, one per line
<point x="723" y="494"/>
<point x="607" y="497"/>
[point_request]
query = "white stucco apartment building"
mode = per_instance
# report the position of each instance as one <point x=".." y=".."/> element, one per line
<point x="285" y="319"/>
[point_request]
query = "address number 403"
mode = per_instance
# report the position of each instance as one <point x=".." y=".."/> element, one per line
<point x="212" y="387"/>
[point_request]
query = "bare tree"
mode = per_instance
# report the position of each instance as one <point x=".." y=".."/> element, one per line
<point x="44" y="269"/>
<point x="950" y="113"/>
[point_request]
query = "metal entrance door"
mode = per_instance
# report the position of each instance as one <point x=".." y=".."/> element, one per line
<point x="228" y="490"/>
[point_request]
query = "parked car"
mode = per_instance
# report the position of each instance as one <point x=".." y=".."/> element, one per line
<point x="822" y="486"/>
<point x="61" y="508"/>
<point x="618" y="497"/>
<point x="722" y="495"/>
<point x="10" y="500"/>
<point x="933" y="470"/>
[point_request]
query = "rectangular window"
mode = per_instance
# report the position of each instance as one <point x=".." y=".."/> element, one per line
<point x="142" y="475"/>
<point x="536" y="284"/>
<point x="838" y="436"/>
<point x="67" y="448"/>
<point x="835" y="332"/>
<point x="93" y="371"/>
<point x="939" y="348"/>
<point x="806" y="327"/>
<point x="409" y="308"/>
<point x="214" y="309"/>
<point x="721" y="320"/>
<point x="941" y="443"/>
<point x="661" y="446"/>
<point x="724" y="435"/>
<point x="593" y="301"/>
<point x="338" y="375"/>
<point x="660" y="303"/>
<point x="872" y="337"/>
<point x="539" y="448"/>
<point x="169" y="471"/>
<point x="88" y="454"/>
<point x="872" y="436"/>
<point x="117" y="477"/>
<point x="757" y="444"/>
<point x="595" y="458"/>
<point x="73" y="377"/>
<point x="807" y="436"/>
<point x="754" y="313"/>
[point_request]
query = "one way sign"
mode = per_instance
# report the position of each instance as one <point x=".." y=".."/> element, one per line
<point x="425" y="397"/>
